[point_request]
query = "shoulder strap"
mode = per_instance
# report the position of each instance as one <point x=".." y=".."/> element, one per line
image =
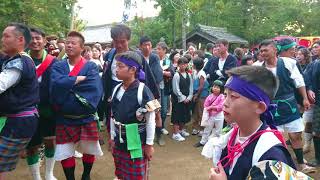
<point x="115" y="90"/>
<point x="140" y="93"/>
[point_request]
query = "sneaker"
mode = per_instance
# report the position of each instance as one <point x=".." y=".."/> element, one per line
<point x="198" y="144"/>
<point x="77" y="154"/>
<point x="184" y="133"/>
<point x="200" y="133"/>
<point x="195" y="131"/>
<point x="178" y="137"/>
<point x="161" y="141"/>
<point x="164" y="131"/>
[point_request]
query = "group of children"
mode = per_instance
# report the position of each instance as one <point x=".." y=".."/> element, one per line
<point x="192" y="90"/>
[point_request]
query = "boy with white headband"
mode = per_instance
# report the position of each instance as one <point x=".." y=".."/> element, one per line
<point x="253" y="138"/>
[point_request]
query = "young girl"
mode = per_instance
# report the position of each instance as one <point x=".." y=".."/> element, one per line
<point x="181" y="100"/>
<point x="212" y="118"/>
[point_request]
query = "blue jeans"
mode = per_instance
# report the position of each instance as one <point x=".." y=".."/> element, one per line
<point x="164" y="106"/>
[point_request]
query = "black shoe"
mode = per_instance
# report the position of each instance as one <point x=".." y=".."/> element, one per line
<point x="198" y="145"/>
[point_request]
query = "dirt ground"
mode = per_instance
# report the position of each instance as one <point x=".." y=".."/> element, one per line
<point x="175" y="161"/>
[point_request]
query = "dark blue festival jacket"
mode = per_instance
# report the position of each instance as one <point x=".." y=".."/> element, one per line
<point x="76" y="100"/>
<point x="124" y="111"/>
<point x="244" y="162"/>
<point x="25" y="94"/>
<point x="230" y="63"/>
<point x="44" y="107"/>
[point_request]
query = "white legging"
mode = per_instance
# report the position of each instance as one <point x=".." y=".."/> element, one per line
<point x="213" y="126"/>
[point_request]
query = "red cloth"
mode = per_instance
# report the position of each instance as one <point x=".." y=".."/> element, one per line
<point x="88" y="158"/>
<point x="127" y="168"/>
<point x="75" y="133"/>
<point x="68" y="163"/>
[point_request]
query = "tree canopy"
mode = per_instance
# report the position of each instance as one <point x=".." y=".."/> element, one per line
<point x="253" y="20"/>
<point x="54" y="17"/>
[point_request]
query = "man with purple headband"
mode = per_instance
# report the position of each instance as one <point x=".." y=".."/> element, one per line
<point x="132" y="126"/>
<point x="253" y="137"/>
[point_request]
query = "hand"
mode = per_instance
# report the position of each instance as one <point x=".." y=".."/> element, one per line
<point x="111" y="145"/>
<point x="148" y="151"/>
<point x="217" y="173"/>
<point x="80" y="78"/>
<point x="311" y="96"/>
<point x="306" y="104"/>
<point x="195" y="97"/>
<point x="186" y="101"/>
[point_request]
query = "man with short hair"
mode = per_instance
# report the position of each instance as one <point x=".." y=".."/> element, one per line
<point x="287" y="115"/>
<point x="45" y="132"/>
<point x="165" y="85"/>
<point x="121" y="35"/>
<point x="154" y="63"/>
<point x="75" y="91"/>
<point x="19" y="95"/>
<point x="224" y="62"/>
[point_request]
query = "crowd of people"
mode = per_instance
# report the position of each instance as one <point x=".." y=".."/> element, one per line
<point x="239" y="103"/>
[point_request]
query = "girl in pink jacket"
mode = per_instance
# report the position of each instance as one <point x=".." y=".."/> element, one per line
<point x="212" y="118"/>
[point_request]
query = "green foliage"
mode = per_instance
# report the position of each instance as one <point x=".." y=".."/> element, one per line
<point x="253" y="20"/>
<point x="53" y="16"/>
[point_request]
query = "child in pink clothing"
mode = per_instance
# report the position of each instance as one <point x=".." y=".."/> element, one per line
<point x="212" y="118"/>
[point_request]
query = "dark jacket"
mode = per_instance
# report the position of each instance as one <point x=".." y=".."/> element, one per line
<point x="230" y="63"/>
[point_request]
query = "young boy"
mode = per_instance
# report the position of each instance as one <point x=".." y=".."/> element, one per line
<point x="132" y="126"/>
<point x="249" y="90"/>
<point x="181" y="100"/>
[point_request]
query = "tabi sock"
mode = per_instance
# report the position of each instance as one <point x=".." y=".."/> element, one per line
<point x="299" y="155"/>
<point x="35" y="171"/>
<point x="49" y="153"/>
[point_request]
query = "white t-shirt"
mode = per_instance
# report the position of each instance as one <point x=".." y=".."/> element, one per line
<point x="291" y="65"/>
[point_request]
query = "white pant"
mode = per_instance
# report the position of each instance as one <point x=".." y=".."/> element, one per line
<point x="292" y="127"/>
<point x="213" y="126"/>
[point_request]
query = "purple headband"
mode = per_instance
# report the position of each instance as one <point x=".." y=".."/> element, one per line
<point x="132" y="63"/>
<point x="254" y="93"/>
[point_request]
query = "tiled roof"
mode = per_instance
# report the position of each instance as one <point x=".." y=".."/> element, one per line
<point x="217" y="33"/>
